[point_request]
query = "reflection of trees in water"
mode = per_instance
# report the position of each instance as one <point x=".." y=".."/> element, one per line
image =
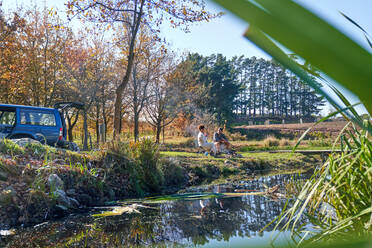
<point x="225" y="217"/>
<point x="179" y="221"/>
<point x="242" y="217"/>
<point x="83" y="231"/>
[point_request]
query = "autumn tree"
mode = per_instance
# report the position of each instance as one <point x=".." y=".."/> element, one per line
<point x="43" y="44"/>
<point x="8" y="26"/>
<point x="81" y="77"/>
<point x="162" y="104"/>
<point x="11" y="56"/>
<point x="133" y="14"/>
<point x="147" y="68"/>
<point x="160" y="111"/>
<point x="105" y="67"/>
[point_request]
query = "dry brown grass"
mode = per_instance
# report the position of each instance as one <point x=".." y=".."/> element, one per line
<point x="285" y="142"/>
<point x="331" y="126"/>
<point x="270" y="141"/>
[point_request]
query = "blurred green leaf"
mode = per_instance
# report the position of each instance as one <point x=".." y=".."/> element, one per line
<point x="356" y="24"/>
<point x="313" y="39"/>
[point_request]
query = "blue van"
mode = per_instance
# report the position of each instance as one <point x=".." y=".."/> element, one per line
<point x="46" y="125"/>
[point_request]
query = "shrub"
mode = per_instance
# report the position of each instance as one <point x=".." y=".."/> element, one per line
<point x="270" y="141"/>
<point x="320" y="143"/>
<point x="37" y="149"/>
<point x="9" y="147"/>
<point x="237" y="137"/>
<point x="190" y="142"/>
<point x="121" y="170"/>
<point x="226" y="171"/>
<point x="8" y="166"/>
<point x="173" y="173"/>
<point x="146" y="154"/>
<point x="285" y="142"/>
<point x="120" y="148"/>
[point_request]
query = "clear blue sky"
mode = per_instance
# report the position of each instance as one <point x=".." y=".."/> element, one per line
<point x="224" y="35"/>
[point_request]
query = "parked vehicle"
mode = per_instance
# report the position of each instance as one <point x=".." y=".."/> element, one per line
<point x="46" y="125"/>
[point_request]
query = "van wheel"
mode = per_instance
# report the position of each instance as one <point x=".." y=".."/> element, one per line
<point x="73" y="147"/>
<point x="41" y="138"/>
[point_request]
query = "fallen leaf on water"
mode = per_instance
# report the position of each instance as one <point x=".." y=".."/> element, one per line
<point x="196" y="216"/>
<point x="119" y="210"/>
<point x="7" y="232"/>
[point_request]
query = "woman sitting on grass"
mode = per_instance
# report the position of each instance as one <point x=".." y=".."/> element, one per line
<point x="203" y="142"/>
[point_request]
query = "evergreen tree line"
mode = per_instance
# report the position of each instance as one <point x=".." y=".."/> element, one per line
<point x="247" y="87"/>
<point x="268" y="89"/>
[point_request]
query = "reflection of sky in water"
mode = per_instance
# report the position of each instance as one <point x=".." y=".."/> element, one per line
<point x="215" y="222"/>
<point x="261" y="241"/>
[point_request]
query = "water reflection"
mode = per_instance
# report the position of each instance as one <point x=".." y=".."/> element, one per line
<point x="177" y="223"/>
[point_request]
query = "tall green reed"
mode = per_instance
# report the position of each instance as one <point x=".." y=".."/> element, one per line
<point x="338" y="197"/>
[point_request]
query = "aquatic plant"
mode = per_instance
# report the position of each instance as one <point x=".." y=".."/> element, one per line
<point x="338" y="197"/>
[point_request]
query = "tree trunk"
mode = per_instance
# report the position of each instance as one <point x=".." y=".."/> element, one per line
<point x="104" y="114"/>
<point x="71" y="124"/>
<point x="69" y="130"/>
<point x="163" y="131"/>
<point x="121" y="123"/>
<point x="158" y="131"/>
<point x="104" y="122"/>
<point x="97" y="123"/>
<point x="85" y="125"/>
<point x="69" y="133"/>
<point x="136" y="123"/>
<point x="117" y="111"/>
<point x="120" y="90"/>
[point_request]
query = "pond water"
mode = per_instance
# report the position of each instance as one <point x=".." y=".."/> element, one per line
<point x="202" y="219"/>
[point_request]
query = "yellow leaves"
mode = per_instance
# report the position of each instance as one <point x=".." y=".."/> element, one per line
<point x="58" y="27"/>
<point x="69" y="5"/>
<point x="52" y="12"/>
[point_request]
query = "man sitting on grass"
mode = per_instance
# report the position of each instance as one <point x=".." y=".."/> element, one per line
<point x="221" y="141"/>
<point x="203" y="142"/>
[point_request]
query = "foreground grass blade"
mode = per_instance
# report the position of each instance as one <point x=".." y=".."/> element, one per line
<point x="312" y="39"/>
<point x="262" y="41"/>
<point x="356" y="24"/>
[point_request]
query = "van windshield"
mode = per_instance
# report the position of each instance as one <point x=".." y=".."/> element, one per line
<point x="7" y="117"/>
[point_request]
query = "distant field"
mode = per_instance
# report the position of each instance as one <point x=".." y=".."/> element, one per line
<point x="292" y="131"/>
<point x="332" y="126"/>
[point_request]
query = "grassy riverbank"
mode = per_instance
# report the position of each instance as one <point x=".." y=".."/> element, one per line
<point x="242" y="144"/>
<point x="38" y="182"/>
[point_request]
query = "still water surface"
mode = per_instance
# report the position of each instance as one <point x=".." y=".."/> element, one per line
<point x="214" y="222"/>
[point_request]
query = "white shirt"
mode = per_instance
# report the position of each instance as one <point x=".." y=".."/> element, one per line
<point x="202" y="139"/>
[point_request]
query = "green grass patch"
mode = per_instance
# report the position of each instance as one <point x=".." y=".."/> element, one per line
<point x="246" y="155"/>
<point x="181" y="154"/>
<point x="10" y="148"/>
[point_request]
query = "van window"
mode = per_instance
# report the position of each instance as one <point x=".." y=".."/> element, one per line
<point x="37" y="118"/>
<point x="7" y="117"/>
